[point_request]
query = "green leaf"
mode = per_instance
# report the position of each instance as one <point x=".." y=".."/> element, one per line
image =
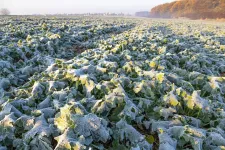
<point x="150" y="139"/>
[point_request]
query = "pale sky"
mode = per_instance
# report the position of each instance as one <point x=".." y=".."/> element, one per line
<point x="22" y="7"/>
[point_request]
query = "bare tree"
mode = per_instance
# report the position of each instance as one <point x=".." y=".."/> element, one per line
<point x="4" y="12"/>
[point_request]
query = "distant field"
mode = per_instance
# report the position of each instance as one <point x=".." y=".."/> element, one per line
<point x="111" y="83"/>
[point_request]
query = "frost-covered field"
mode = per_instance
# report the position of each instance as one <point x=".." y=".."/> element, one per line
<point x="111" y="83"/>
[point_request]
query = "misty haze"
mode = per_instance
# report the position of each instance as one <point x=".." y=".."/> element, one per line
<point x="112" y="75"/>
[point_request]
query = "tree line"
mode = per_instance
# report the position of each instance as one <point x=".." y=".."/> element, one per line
<point x="4" y="12"/>
<point x="193" y="9"/>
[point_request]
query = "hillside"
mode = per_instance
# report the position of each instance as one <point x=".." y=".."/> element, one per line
<point x="193" y="9"/>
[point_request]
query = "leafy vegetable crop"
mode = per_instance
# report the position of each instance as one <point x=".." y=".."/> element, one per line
<point x="111" y="83"/>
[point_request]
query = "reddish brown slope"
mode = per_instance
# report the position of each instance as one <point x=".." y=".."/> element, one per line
<point x="194" y="9"/>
